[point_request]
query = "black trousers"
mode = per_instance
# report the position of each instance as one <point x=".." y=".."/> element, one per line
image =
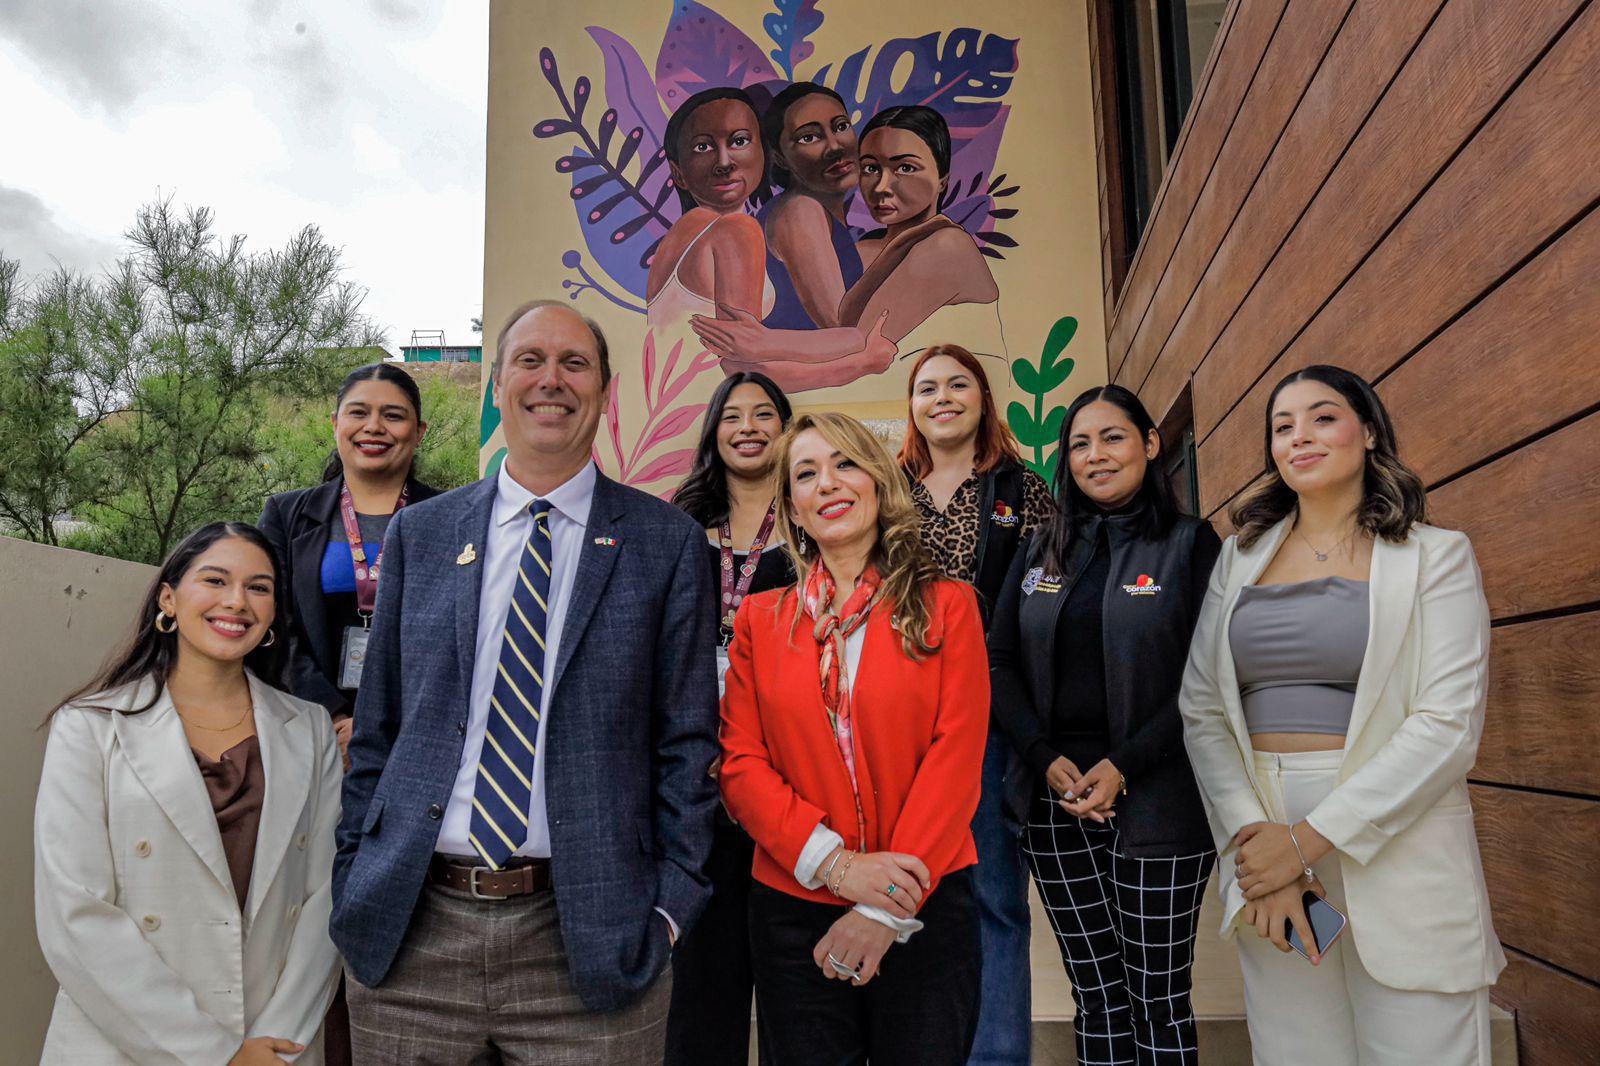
<point x="921" y="1009"/>
<point x="712" y="979"/>
<point x="1126" y="929"/>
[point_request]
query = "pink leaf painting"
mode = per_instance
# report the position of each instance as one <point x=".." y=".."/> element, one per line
<point x="701" y="50"/>
<point x="669" y="465"/>
<point x="673" y="424"/>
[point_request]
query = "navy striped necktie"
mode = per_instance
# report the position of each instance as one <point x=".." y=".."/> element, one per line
<point x="504" y="791"/>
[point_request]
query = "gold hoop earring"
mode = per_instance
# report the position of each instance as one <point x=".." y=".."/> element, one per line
<point x="160" y="615"/>
<point x="272" y="638"/>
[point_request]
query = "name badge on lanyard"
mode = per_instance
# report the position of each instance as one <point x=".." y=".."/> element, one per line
<point x="353" y="648"/>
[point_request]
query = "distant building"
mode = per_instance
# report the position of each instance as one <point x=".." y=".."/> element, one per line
<point x="429" y="346"/>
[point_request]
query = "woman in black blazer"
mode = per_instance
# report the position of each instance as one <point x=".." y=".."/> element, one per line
<point x="329" y="576"/>
<point x="1087" y="650"/>
<point x="377" y="425"/>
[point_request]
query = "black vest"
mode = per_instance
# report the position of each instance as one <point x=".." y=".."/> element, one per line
<point x="999" y="531"/>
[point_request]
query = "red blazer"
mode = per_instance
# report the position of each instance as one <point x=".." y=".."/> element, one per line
<point x="920" y="729"/>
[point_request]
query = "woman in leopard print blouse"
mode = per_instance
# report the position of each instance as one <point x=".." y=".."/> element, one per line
<point x="977" y="502"/>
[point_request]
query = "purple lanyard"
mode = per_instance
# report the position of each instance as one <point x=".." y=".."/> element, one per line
<point x="366" y="576"/>
<point x="734" y="590"/>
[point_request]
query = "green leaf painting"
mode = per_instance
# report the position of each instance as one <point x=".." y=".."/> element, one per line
<point x="1038" y="429"/>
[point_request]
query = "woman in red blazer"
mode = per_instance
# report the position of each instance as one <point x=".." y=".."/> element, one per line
<point x="853" y="730"/>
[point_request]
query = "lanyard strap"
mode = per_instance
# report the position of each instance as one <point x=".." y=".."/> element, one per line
<point x="735" y="589"/>
<point x="366" y="576"/>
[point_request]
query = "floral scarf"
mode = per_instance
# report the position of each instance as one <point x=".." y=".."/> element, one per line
<point x="830" y="631"/>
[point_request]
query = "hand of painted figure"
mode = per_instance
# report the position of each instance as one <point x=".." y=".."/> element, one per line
<point x="889" y="880"/>
<point x="1270" y="912"/>
<point x="342" y="730"/>
<point x="1093" y="794"/>
<point x="1061" y="775"/>
<point x="1267" y="858"/>
<point x="264" y="1051"/>
<point x="858" y="944"/>
<point x="735" y="335"/>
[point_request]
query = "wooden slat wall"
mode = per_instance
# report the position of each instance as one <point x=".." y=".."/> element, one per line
<point x="1408" y="188"/>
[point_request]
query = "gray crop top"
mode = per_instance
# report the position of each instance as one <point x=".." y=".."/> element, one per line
<point x="1297" y="650"/>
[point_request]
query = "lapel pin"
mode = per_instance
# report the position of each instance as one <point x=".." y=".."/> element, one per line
<point x="606" y="542"/>
<point x="467" y="555"/>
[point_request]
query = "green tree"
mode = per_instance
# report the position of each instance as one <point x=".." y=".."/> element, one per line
<point x="152" y="386"/>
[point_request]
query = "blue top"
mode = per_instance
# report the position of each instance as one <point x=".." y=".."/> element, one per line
<point x="787" y="310"/>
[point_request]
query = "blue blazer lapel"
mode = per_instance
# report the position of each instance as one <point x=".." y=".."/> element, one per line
<point x="602" y="543"/>
<point x="472" y="529"/>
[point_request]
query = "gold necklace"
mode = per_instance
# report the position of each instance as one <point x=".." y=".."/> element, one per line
<point x="216" y="729"/>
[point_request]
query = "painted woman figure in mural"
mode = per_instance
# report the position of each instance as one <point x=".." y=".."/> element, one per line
<point x="811" y="252"/>
<point x="714" y="256"/>
<point x="923" y="275"/>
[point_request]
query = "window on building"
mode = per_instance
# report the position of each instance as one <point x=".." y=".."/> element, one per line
<point x="1157" y="49"/>
<point x="1179" y="454"/>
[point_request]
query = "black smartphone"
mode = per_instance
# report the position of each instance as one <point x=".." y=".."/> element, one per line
<point x="1327" y="924"/>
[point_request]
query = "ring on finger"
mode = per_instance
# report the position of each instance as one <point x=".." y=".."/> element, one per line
<point x="890" y="890"/>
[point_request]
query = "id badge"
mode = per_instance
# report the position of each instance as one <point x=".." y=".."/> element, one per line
<point x="722" y="672"/>
<point x="353" y="656"/>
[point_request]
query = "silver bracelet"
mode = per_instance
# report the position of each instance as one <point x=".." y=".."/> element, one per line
<point x="832" y="863"/>
<point x="1309" y="873"/>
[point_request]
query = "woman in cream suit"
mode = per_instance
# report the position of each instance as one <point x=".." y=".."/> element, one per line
<point x="1332" y="707"/>
<point x="183" y="839"/>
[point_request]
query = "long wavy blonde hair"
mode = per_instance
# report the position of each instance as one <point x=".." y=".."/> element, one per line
<point x="906" y="571"/>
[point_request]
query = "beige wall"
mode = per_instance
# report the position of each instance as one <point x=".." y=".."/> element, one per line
<point x="62" y="612"/>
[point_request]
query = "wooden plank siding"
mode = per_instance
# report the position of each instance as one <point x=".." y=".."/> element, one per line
<point x="1408" y="188"/>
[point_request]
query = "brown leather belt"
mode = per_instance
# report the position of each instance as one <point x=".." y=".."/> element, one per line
<point x="466" y="875"/>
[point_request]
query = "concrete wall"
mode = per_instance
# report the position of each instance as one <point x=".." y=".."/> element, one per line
<point x="61" y="613"/>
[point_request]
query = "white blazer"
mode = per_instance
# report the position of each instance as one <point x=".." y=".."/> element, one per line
<point x="1400" y="817"/>
<point x="136" y="909"/>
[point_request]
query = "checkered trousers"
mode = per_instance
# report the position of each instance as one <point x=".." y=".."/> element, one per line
<point x="1126" y="929"/>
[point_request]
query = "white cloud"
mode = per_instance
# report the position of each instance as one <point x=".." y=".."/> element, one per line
<point x="365" y="120"/>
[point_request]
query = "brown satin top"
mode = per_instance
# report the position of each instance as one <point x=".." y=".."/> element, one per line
<point x="236" y="784"/>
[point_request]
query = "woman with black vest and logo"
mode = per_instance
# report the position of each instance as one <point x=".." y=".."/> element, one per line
<point x="1087" y="650"/>
<point x="329" y="543"/>
<point x="975" y="502"/>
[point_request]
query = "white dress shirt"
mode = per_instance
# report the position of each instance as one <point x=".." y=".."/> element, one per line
<point x="510" y="525"/>
<point x="823" y="840"/>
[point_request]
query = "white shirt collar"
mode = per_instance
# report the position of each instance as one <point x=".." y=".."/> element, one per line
<point x="571" y="498"/>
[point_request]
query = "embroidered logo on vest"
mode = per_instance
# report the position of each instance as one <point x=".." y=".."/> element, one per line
<point x="1144" y="585"/>
<point x="1035" y="581"/>
<point x="1004" y="514"/>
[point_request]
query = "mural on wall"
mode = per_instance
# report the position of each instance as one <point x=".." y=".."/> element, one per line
<point x="819" y="218"/>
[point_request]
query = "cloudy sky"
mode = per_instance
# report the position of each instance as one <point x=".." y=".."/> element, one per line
<point x="363" y="117"/>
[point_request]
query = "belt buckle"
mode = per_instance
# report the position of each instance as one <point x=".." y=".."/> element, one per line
<point x="472" y="883"/>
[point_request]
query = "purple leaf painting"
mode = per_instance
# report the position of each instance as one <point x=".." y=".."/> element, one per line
<point x="631" y="89"/>
<point x="961" y="77"/>
<point x="703" y="50"/>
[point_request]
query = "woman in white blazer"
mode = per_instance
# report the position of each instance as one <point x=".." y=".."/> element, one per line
<point x="183" y="837"/>
<point x="1332" y="707"/>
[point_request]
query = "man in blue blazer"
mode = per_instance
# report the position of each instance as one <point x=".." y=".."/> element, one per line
<point x="529" y="808"/>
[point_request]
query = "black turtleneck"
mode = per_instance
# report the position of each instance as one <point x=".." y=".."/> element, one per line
<point x="1078" y="723"/>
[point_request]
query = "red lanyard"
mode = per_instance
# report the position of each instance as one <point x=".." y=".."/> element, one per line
<point x="366" y="576"/>
<point x="734" y="590"/>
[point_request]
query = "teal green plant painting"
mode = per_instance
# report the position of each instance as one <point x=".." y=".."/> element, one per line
<point x="1038" y="429"/>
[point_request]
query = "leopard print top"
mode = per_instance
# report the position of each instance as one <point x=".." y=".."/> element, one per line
<point x="951" y="535"/>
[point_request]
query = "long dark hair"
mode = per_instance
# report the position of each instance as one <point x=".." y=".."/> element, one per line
<point x="1393" y="498"/>
<point x="925" y="122"/>
<point x="150" y="653"/>
<point x="674" y="132"/>
<point x="373" y="372"/>
<point x="772" y="123"/>
<point x="704" y="492"/>
<point x="1158" y="509"/>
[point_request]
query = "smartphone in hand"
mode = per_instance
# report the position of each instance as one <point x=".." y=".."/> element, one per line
<point x="1327" y="924"/>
